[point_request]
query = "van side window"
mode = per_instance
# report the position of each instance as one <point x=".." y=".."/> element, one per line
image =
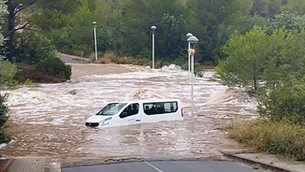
<point x="130" y="110"/>
<point x="160" y="108"/>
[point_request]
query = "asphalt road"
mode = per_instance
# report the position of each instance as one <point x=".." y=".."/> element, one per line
<point x="170" y="166"/>
<point x="69" y="59"/>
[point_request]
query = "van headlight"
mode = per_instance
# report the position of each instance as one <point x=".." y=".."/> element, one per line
<point x="106" y="121"/>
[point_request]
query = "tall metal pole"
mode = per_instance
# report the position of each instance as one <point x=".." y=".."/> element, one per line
<point x="153" y="49"/>
<point x="189" y="58"/>
<point x="153" y="28"/>
<point x="95" y="41"/>
<point x="188" y="35"/>
<point x="192" y="80"/>
<point x="192" y="40"/>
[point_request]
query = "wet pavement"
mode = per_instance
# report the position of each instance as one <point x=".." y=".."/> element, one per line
<point x="49" y="120"/>
<point x="177" y="166"/>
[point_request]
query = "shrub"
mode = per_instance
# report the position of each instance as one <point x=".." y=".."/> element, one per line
<point x="285" y="101"/>
<point x="54" y="67"/>
<point x="106" y="58"/>
<point x="28" y="72"/>
<point x="4" y="137"/>
<point x="3" y="111"/>
<point x="283" y="138"/>
<point x="30" y="83"/>
<point x="7" y="73"/>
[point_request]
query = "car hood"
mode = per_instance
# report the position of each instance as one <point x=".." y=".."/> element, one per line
<point x="97" y="118"/>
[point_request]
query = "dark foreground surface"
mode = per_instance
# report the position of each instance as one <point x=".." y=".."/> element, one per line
<point x="175" y="166"/>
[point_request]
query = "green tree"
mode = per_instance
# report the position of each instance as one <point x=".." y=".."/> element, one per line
<point x="77" y="37"/>
<point x="204" y="17"/>
<point x="7" y="72"/>
<point x="14" y="8"/>
<point x="266" y="8"/>
<point x="245" y="56"/>
<point x="172" y="36"/>
<point x="296" y="7"/>
<point x="31" y="47"/>
<point x="284" y="74"/>
<point x="287" y="21"/>
<point x="140" y="15"/>
<point x="242" y="24"/>
<point x="80" y="32"/>
<point x="55" y="14"/>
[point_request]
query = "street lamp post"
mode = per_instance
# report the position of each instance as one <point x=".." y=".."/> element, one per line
<point x="189" y="54"/>
<point x="153" y="28"/>
<point x="95" y="41"/>
<point x="192" y="40"/>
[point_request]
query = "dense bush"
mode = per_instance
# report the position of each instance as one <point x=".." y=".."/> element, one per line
<point x="54" y="67"/>
<point x="28" y="72"/>
<point x="4" y="138"/>
<point x="7" y="72"/>
<point x="282" y="138"/>
<point x="285" y="101"/>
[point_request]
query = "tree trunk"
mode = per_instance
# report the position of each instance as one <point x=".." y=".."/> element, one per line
<point x="10" y="31"/>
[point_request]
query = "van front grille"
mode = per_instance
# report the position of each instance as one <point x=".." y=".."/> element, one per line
<point x="89" y="124"/>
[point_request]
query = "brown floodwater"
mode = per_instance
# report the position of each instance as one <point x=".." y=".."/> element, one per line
<point x="49" y="120"/>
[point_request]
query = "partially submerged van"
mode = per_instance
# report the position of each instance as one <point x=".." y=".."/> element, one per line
<point x="136" y="112"/>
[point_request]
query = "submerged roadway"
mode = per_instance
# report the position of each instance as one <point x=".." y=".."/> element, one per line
<point x="158" y="166"/>
<point x="166" y="166"/>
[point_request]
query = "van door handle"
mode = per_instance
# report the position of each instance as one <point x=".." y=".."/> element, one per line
<point x="138" y="120"/>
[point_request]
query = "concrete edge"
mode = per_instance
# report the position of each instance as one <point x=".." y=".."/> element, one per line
<point x="7" y="165"/>
<point x="255" y="163"/>
<point x="55" y="167"/>
<point x="131" y="160"/>
<point x="47" y="167"/>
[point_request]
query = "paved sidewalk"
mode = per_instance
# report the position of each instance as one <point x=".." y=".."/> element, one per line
<point x="270" y="162"/>
<point x="29" y="164"/>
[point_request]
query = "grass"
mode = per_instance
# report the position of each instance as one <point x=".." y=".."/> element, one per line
<point x="111" y="57"/>
<point x="30" y="83"/>
<point x="282" y="138"/>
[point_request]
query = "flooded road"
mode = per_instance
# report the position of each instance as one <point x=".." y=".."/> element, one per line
<point x="49" y="120"/>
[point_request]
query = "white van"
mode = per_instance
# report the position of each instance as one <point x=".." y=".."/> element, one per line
<point x="136" y="112"/>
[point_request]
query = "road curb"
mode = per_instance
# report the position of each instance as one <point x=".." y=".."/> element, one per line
<point x="255" y="163"/>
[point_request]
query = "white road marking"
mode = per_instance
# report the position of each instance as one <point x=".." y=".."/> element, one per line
<point x="157" y="169"/>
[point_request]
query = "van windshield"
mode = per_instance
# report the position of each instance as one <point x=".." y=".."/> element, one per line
<point x="111" y="109"/>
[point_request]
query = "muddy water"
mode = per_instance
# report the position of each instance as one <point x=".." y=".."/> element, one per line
<point x="49" y="120"/>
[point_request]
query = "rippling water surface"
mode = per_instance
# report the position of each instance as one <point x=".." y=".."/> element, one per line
<point x="49" y="120"/>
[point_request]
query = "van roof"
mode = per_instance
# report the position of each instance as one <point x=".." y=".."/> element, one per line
<point x="146" y="101"/>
